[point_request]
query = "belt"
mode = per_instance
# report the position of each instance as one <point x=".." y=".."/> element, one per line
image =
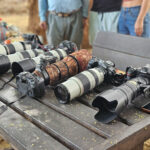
<point x="63" y="14"/>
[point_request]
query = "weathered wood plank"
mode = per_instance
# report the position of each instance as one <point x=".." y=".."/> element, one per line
<point x="3" y="108"/>
<point x="53" y="122"/>
<point x="139" y="147"/>
<point x="123" y="43"/>
<point x="129" y="138"/>
<point x="119" y="57"/>
<point x="124" y="50"/>
<point x="9" y="94"/>
<point x="81" y="114"/>
<point x="57" y="125"/>
<point x="73" y="111"/>
<point x="6" y="77"/>
<point x="2" y="104"/>
<point x="24" y="135"/>
<point x="134" y="115"/>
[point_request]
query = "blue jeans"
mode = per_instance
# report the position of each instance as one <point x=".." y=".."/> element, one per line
<point x="127" y="21"/>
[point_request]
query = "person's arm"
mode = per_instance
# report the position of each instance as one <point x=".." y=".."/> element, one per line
<point x="139" y="25"/>
<point x="43" y="7"/>
<point x="91" y="4"/>
<point x="85" y="8"/>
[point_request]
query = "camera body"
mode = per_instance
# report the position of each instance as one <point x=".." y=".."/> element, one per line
<point x="112" y="102"/>
<point x="64" y="49"/>
<point x="98" y="71"/>
<point x="52" y="74"/>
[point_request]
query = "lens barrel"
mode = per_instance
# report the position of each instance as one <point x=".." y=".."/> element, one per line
<point x="29" y="65"/>
<point x="7" y="60"/>
<point x="112" y="102"/>
<point x="78" y="85"/>
<point x="69" y="66"/>
<point x="52" y="74"/>
<point x="24" y="65"/>
<point x="7" y="49"/>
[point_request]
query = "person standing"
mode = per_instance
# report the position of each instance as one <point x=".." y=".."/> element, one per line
<point x="106" y="16"/>
<point x="63" y="19"/>
<point x="135" y="18"/>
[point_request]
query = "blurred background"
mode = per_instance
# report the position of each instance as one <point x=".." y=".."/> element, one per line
<point x="24" y="15"/>
<point x="15" y="12"/>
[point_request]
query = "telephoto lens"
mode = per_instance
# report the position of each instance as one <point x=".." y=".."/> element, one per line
<point x="85" y="81"/>
<point x="29" y="65"/>
<point x="33" y="84"/>
<point x="78" y="85"/>
<point x="112" y="102"/>
<point x="7" y="49"/>
<point x="7" y="60"/>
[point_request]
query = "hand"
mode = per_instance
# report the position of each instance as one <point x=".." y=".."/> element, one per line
<point x="84" y="21"/>
<point x="43" y="25"/>
<point x="139" y="25"/>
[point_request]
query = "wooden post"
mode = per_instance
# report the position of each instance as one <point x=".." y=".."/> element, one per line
<point x="34" y="20"/>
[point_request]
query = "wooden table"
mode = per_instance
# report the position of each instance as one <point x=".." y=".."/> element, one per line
<point x="44" y="124"/>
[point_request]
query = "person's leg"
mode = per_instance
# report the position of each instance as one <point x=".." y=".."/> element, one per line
<point x="93" y="27"/>
<point x="146" y="32"/>
<point x="74" y="28"/>
<point x="55" y="30"/>
<point x="100" y="18"/>
<point x="130" y="25"/>
<point x="109" y="21"/>
<point x="131" y="17"/>
<point x="122" y="28"/>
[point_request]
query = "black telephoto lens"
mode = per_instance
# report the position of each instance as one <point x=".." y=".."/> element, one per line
<point x="112" y="102"/>
<point x="30" y="64"/>
<point x="7" y="60"/>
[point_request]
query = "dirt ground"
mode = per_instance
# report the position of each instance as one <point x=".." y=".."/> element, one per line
<point x="15" y="13"/>
<point x="4" y="145"/>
